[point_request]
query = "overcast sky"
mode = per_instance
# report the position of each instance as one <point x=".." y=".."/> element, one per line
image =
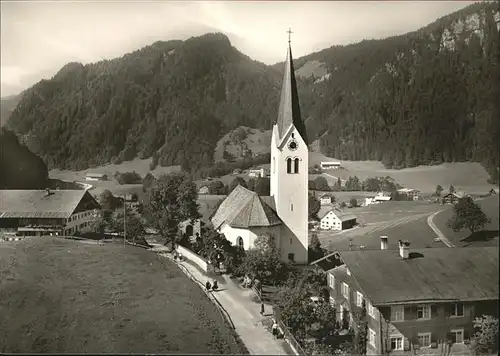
<point x="38" y="38"/>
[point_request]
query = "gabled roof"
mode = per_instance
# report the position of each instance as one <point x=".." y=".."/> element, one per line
<point x="289" y="109"/>
<point x="243" y="209"/>
<point x="430" y="274"/>
<point x="325" y="209"/>
<point x="37" y="204"/>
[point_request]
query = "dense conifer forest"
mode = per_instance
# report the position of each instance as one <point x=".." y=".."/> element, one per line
<point x="425" y="97"/>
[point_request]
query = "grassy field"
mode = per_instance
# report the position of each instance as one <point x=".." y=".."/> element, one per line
<point x="141" y="166"/>
<point x="488" y="237"/>
<point x="397" y="220"/>
<point x="62" y="296"/>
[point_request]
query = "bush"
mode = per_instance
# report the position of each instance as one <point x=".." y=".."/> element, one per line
<point x="128" y="178"/>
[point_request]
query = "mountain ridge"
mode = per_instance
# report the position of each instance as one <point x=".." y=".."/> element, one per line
<point x="164" y="100"/>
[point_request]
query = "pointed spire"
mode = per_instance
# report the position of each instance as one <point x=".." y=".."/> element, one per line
<point x="289" y="109"/>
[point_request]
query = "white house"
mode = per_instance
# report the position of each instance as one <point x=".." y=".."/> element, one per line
<point x="377" y="199"/>
<point x="326" y="199"/>
<point x="331" y="165"/>
<point x="243" y="215"/>
<point x="256" y="173"/>
<point x="96" y="176"/>
<point x="333" y="219"/>
<point x="412" y="194"/>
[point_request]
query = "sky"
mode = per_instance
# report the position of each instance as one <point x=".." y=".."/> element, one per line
<point x="40" y="37"/>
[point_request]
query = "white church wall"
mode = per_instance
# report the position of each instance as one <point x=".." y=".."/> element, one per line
<point x="248" y="235"/>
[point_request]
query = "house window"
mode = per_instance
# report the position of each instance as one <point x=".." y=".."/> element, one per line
<point x="371" y="337"/>
<point x="345" y="290"/>
<point x="398" y="313"/>
<point x="291" y="257"/>
<point x="396" y="343"/>
<point x="331" y="281"/>
<point x="296" y="161"/>
<point x="458" y="336"/>
<point x="457" y="309"/>
<point x="424" y="339"/>
<point x="424" y="312"/>
<point x="332" y="301"/>
<point x="291" y="207"/>
<point x="239" y="241"/>
<point x="359" y="299"/>
<point x="371" y="311"/>
<point x="289" y="165"/>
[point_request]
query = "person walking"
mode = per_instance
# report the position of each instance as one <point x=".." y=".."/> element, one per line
<point x="208" y="285"/>
<point x="215" y="286"/>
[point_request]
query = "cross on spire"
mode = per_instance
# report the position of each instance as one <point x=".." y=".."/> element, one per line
<point x="289" y="35"/>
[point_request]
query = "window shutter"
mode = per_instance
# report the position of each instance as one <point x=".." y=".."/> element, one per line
<point x="434" y="311"/>
<point x="468" y="309"/>
<point x="406" y="344"/>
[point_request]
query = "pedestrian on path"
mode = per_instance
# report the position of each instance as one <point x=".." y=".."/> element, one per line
<point x="275" y="328"/>
<point x="261" y="308"/>
<point x="208" y="285"/>
<point x="215" y="286"/>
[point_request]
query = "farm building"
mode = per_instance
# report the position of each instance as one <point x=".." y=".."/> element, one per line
<point x="452" y="198"/>
<point x="204" y="189"/>
<point x="377" y="199"/>
<point x="331" y="165"/>
<point x="409" y="313"/>
<point x="332" y="219"/>
<point x="244" y="215"/>
<point x="45" y="212"/>
<point x="191" y="228"/>
<point x="412" y="194"/>
<point x="96" y="176"/>
<point x="257" y="173"/>
<point x="326" y="199"/>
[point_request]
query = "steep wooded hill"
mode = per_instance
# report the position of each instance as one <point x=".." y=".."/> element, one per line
<point x="425" y="97"/>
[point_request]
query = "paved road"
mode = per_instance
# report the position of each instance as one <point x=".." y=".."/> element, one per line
<point x="244" y="312"/>
<point x="440" y="235"/>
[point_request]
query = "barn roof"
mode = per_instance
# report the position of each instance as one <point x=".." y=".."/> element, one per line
<point x="37" y="204"/>
<point x="243" y="209"/>
<point x="439" y="274"/>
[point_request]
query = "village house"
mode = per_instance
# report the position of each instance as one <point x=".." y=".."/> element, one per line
<point x="203" y="189"/>
<point x="377" y="199"/>
<point x="333" y="219"/>
<point x="257" y="173"/>
<point x="452" y="198"/>
<point x="191" y="228"/>
<point x="96" y="176"/>
<point x="418" y="301"/>
<point x="326" y="199"/>
<point x="244" y="215"/>
<point x="46" y="212"/>
<point x="412" y="194"/>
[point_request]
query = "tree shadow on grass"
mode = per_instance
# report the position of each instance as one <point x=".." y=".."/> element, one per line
<point x="480" y="236"/>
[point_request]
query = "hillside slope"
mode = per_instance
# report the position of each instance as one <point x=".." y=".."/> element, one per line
<point x="421" y="98"/>
<point x="174" y="99"/>
<point x="7" y="106"/>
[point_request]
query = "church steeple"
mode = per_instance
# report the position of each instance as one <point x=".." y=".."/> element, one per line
<point x="289" y="109"/>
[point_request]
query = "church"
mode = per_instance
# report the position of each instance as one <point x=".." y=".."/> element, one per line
<point x="244" y="215"/>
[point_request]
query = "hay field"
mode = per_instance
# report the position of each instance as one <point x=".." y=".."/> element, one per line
<point x="63" y="296"/>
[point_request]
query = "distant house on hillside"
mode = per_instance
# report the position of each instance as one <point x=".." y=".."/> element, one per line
<point x="96" y="176"/>
<point x="331" y="165"/>
<point x="46" y="212"/>
<point x="325" y="199"/>
<point x="412" y="194"/>
<point x="377" y="199"/>
<point x="452" y="198"/>
<point x="407" y="311"/>
<point x="332" y="219"/>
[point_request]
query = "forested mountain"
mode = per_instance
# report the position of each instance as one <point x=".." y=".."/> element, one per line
<point x="7" y="105"/>
<point x="425" y="97"/>
<point x="19" y="167"/>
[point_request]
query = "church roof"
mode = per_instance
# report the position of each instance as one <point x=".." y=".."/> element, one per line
<point x="243" y="209"/>
<point x="289" y="109"/>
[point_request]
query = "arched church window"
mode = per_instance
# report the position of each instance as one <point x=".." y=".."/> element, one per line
<point x="296" y="161"/>
<point x="289" y="165"/>
<point x="239" y="242"/>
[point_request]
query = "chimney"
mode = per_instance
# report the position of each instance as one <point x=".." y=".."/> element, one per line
<point x="47" y="192"/>
<point x="383" y="242"/>
<point x="404" y="249"/>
